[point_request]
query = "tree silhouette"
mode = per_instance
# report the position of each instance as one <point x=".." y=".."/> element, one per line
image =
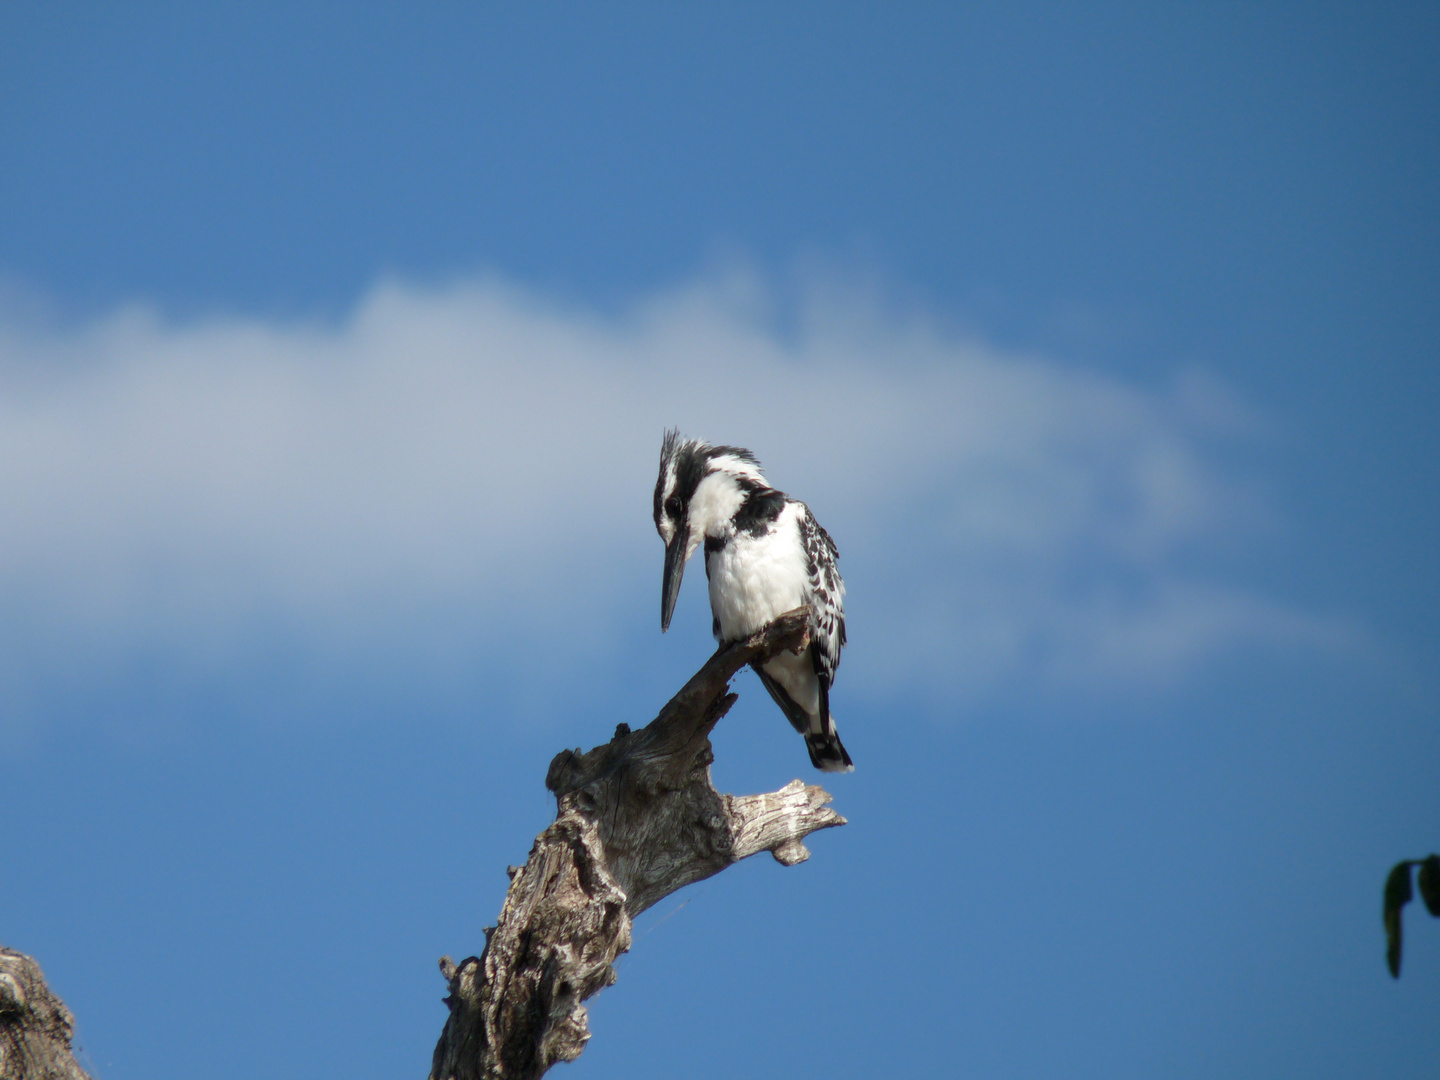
<point x="1398" y="893"/>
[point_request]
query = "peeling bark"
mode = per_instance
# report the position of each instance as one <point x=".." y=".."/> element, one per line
<point x="35" y="1026"/>
<point x="637" y="819"/>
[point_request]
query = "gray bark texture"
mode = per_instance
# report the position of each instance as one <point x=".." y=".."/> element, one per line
<point x="35" y="1025"/>
<point x="637" y="819"/>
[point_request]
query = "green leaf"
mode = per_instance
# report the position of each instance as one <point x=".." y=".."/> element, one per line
<point x="1429" y="881"/>
<point x="1398" y="893"/>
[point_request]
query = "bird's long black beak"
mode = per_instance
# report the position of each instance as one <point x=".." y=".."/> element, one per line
<point x="675" y="553"/>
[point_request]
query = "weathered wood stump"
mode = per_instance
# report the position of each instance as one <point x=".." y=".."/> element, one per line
<point x="637" y="819"/>
<point x="35" y="1026"/>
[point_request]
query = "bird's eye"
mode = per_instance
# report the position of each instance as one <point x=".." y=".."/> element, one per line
<point x="672" y="506"/>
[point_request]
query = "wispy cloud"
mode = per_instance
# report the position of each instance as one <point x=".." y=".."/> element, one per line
<point x="170" y="487"/>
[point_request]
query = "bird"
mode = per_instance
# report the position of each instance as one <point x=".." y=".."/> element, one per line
<point x="765" y="554"/>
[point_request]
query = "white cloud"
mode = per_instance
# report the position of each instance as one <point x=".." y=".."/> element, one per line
<point x="169" y="486"/>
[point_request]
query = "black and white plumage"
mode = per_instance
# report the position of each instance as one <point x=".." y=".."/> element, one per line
<point x="765" y="554"/>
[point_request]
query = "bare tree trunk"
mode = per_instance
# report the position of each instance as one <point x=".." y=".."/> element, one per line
<point x="35" y="1026"/>
<point x="637" y="819"/>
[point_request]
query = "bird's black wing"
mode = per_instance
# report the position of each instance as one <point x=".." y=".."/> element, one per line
<point x="796" y="715"/>
<point x="826" y="599"/>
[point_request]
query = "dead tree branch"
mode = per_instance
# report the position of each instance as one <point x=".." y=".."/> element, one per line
<point x="35" y="1025"/>
<point x="637" y="819"/>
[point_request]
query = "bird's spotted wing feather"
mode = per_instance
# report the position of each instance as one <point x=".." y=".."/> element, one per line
<point x="827" y="598"/>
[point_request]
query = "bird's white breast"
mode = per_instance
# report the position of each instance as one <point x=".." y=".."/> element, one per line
<point x="753" y="579"/>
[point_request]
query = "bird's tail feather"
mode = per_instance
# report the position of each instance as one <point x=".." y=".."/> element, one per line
<point x="827" y="752"/>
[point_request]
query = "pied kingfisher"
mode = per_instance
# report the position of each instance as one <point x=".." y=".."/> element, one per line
<point x="765" y="554"/>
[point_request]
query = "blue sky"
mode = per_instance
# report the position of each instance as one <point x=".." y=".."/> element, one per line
<point x="335" y="348"/>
